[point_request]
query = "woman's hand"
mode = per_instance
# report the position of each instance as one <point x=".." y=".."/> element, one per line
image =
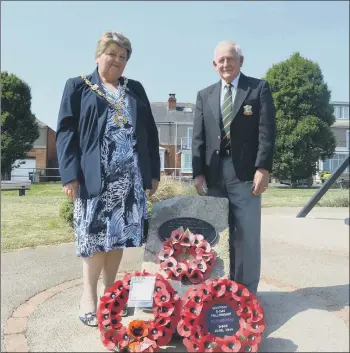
<point x="155" y="184"/>
<point x="71" y="189"/>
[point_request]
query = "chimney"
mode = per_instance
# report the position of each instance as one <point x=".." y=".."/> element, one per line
<point x="172" y="102"/>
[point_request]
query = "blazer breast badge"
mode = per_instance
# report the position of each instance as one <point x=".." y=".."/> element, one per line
<point x="247" y="110"/>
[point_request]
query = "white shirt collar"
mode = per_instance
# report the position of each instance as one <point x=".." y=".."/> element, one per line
<point x="234" y="83"/>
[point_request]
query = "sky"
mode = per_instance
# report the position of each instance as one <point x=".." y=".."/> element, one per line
<point x="47" y="42"/>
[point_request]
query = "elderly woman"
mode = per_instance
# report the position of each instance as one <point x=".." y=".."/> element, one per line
<point x="108" y="152"/>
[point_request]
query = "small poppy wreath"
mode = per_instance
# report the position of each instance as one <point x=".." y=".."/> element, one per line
<point x="139" y="335"/>
<point x="196" y="303"/>
<point x="186" y="244"/>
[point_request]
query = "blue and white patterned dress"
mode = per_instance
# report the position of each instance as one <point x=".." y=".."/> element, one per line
<point x="115" y="218"/>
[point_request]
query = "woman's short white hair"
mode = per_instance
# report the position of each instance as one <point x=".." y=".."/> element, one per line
<point x="235" y="46"/>
<point x="113" y="37"/>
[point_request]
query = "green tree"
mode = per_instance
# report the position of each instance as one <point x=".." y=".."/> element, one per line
<point x="19" y="128"/>
<point x="303" y="118"/>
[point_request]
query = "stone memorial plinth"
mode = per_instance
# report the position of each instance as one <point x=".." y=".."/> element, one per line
<point x="212" y="210"/>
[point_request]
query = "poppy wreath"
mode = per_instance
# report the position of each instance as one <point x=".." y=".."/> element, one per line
<point x="139" y="335"/>
<point x="186" y="244"/>
<point x="196" y="303"/>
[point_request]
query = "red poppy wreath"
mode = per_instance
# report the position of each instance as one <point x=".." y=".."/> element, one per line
<point x="197" y="317"/>
<point x="185" y="245"/>
<point x="139" y="335"/>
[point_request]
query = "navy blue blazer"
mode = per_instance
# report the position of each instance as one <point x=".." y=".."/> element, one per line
<point x="81" y="123"/>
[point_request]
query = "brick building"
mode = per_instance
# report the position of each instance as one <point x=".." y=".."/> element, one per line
<point x="42" y="156"/>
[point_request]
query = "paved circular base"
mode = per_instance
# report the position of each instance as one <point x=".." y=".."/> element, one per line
<point x="294" y="322"/>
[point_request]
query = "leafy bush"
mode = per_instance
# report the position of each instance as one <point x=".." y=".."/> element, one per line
<point x="169" y="188"/>
<point x="66" y="211"/>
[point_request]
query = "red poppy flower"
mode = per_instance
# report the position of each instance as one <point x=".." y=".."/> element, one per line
<point x="197" y="331"/>
<point x="229" y="344"/>
<point x="108" y="319"/>
<point x="241" y="294"/>
<point x="254" y="327"/>
<point x="166" y="337"/>
<point x="169" y="263"/>
<point x="196" y="277"/>
<point x="202" y="254"/>
<point x="180" y="270"/>
<point x="187" y="239"/>
<point x="122" y="337"/>
<point x="159" y="287"/>
<point x="219" y="288"/>
<point x="205" y="289"/>
<point x="160" y="321"/>
<point x="257" y="312"/>
<point x="161" y="297"/>
<point x="200" y="264"/>
<point x="109" y="339"/>
<point x="246" y="347"/>
<point x="184" y="327"/>
<point x="197" y="239"/>
<point x="164" y="310"/>
<point x="208" y="343"/>
<point x="248" y="337"/>
<point x="155" y="331"/>
<point x="103" y="317"/>
<point x="119" y="302"/>
<point x="192" y="310"/>
<point x="176" y="235"/>
<point x="191" y="345"/>
<point x="244" y="312"/>
<point x="127" y="281"/>
<point x="166" y="253"/>
<point x="204" y="245"/>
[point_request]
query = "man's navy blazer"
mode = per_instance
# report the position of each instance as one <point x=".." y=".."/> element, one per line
<point x="81" y="123"/>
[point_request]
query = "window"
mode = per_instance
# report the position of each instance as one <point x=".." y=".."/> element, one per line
<point x="162" y="156"/>
<point x="186" y="162"/>
<point x="341" y="112"/>
<point x="348" y="139"/>
<point x="332" y="164"/>
<point x="189" y="136"/>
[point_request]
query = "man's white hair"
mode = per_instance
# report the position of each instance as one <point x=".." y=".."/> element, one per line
<point x="235" y="46"/>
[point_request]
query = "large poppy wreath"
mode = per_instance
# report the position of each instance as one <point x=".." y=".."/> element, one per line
<point x="139" y="335"/>
<point x="197" y="302"/>
<point x="186" y="245"/>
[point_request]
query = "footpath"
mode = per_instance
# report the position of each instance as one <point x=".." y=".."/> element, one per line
<point x="304" y="289"/>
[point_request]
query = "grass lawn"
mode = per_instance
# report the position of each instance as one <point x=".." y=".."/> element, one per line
<point x="34" y="220"/>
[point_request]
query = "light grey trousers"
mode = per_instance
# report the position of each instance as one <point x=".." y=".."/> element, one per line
<point x="245" y="225"/>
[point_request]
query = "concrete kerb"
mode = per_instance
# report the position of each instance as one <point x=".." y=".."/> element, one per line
<point x="15" y="328"/>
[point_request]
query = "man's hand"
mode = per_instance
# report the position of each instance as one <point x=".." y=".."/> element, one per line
<point x="71" y="189"/>
<point x="155" y="183"/>
<point x="199" y="184"/>
<point x="261" y="181"/>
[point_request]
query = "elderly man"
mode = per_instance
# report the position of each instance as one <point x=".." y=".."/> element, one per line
<point x="232" y="152"/>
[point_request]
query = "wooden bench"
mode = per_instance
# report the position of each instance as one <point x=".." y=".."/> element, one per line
<point x="13" y="187"/>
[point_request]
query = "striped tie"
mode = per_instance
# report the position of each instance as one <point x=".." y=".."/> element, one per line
<point x="226" y="112"/>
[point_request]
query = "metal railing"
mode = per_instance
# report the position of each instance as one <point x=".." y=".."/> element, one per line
<point x="33" y="175"/>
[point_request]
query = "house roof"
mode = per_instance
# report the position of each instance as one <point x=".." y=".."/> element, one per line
<point x="184" y="112"/>
<point x="40" y="123"/>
